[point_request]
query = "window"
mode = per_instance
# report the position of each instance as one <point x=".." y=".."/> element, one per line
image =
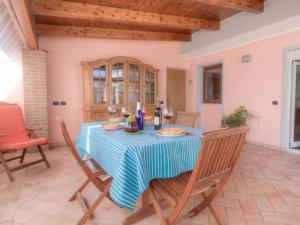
<point x="11" y="44"/>
<point x="212" y="84"/>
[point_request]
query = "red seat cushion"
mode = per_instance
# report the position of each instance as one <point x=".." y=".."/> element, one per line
<point x="23" y="144"/>
<point x="13" y="127"/>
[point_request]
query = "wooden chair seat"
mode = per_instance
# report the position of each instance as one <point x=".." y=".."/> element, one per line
<point x="173" y="186"/>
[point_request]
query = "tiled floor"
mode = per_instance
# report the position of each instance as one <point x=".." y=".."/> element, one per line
<point x="263" y="190"/>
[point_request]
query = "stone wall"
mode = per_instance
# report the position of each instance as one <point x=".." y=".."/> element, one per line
<point x="35" y="90"/>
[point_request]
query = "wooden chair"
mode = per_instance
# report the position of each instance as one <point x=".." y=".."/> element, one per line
<point x="95" y="174"/>
<point x="188" y="119"/>
<point x="16" y="137"/>
<point x="217" y="158"/>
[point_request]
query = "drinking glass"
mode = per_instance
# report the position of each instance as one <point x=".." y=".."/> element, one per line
<point x="125" y="111"/>
<point x="111" y="110"/>
<point x="168" y="114"/>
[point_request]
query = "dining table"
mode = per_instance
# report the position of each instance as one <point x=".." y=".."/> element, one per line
<point x="133" y="160"/>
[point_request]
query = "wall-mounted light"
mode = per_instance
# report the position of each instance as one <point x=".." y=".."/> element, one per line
<point x="246" y="58"/>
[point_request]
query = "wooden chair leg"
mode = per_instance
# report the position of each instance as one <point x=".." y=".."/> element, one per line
<point x="205" y="203"/>
<point x="213" y="211"/>
<point x="83" y="203"/>
<point x="23" y="155"/>
<point x="43" y="156"/>
<point x="177" y="210"/>
<point x="80" y="189"/>
<point x="6" y="168"/>
<point x="94" y="205"/>
<point x="208" y="199"/>
<point x="157" y="207"/>
<point x="215" y="215"/>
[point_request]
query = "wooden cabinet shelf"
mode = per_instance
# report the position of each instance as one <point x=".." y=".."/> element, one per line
<point x="119" y="81"/>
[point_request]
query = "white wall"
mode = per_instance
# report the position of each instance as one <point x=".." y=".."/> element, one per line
<point x="279" y="16"/>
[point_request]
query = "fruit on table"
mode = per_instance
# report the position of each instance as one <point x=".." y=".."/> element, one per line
<point x="130" y="119"/>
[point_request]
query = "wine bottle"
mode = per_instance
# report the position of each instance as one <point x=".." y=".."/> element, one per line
<point x="139" y="116"/>
<point x="157" y="116"/>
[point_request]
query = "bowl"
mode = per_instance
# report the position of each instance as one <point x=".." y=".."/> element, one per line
<point x="131" y="129"/>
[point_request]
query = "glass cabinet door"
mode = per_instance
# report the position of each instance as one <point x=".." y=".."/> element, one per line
<point x="99" y="76"/>
<point x="134" y="83"/>
<point x="117" y="83"/>
<point x="149" y="89"/>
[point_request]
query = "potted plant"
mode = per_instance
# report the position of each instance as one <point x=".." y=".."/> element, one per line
<point x="236" y="119"/>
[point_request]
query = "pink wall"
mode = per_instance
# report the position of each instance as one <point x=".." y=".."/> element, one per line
<point x="253" y="85"/>
<point x="210" y="115"/>
<point x="65" y="79"/>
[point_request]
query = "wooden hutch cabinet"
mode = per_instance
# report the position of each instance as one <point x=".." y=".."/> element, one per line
<point x="119" y="81"/>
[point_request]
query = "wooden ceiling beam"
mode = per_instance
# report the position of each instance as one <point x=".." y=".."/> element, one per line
<point x="253" y="6"/>
<point x="75" y="10"/>
<point x="22" y="11"/>
<point x="94" y="32"/>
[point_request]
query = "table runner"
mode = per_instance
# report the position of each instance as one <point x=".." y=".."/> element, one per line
<point x="134" y="160"/>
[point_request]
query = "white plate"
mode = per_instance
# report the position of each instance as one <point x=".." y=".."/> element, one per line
<point x="111" y="127"/>
<point x="170" y="135"/>
<point x="115" y="120"/>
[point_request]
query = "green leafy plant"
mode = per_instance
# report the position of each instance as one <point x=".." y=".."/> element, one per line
<point x="236" y="119"/>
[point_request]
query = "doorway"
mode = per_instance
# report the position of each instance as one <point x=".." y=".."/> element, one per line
<point x="176" y="90"/>
<point x="295" y="106"/>
<point x="290" y="109"/>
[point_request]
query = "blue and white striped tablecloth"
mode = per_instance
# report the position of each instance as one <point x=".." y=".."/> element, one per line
<point x="134" y="160"/>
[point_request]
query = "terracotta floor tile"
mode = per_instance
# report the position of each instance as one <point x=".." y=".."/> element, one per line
<point x="238" y="196"/>
<point x="226" y="202"/>
<point x="280" y="218"/>
<point x="235" y="216"/>
<point x="263" y="203"/>
<point x="263" y="190"/>
<point x="251" y="211"/>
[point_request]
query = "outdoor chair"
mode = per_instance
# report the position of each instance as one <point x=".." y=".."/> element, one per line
<point x="14" y="136"/>
<point x="218" y="155"/>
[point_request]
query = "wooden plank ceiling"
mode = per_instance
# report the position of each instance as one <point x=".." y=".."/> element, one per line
<point x="173" y="20"/>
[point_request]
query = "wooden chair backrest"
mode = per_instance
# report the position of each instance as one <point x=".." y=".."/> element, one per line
<point x="69" y="141"/>
<point x="92" y="175"/>
<point x="188" y="119"/>
<point x="74" y="152"/>
<point x="219" y="153"/>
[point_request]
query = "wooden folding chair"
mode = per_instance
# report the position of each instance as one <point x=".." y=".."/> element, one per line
<point x="14" y="136"/>
<point x="217" y="158"/>
<point x="188" y="119"/>
<point x="95" y="174"/>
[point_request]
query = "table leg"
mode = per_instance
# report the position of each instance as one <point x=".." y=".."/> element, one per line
<point x="144" y="211"/>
